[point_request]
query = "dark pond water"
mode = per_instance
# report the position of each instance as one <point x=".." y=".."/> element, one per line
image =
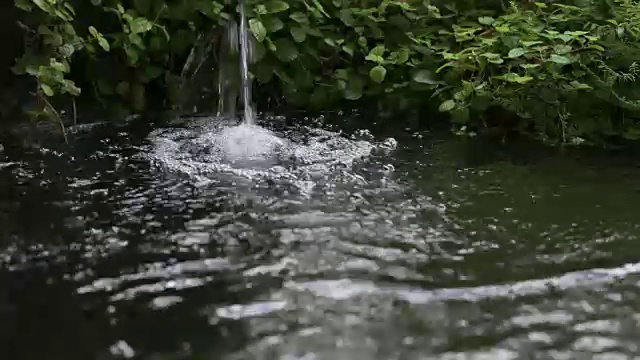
<point x="201" y="243"/>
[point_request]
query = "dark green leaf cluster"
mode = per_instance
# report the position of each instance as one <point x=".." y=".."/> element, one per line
<point x="564" y="70"/>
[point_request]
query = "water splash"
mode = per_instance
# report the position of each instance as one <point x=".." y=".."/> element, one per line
<point x="304" y="158"/>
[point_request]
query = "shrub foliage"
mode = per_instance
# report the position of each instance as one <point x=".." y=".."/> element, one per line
<point x="565" y="69"/>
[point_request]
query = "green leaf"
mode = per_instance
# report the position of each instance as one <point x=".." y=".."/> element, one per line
<point x="136" y="39"/>
<point x="133" y="55"/>
<point x="580" y="86"/>
<point x="329" y="42"/>
<point x="425" y="77"/>
<point x="31" y="70"/>
<point x="43" y="5"/>
<point x="523" y="79"/>
<point x="71" y="88"/>
<point x="516" y="52"/>
<point x="314" y="32"/>
<point x="258" y="29"/>
<point x="402" y="56"/>
<point x="562" y="49"/>
<point x="353" y="90"/>
<point x="299" y="34"/>
<point x="272" y="23"/>
<point x="375" y="55"/>
<point x="531" y="43"/>
<point x="378" y="50"/>
<point x="378" y="73"/>
<point x="104" y="44"/>
<point x="47" y="89"/>
<point x="58" y="66"/>
<point x="24" y="5"/>
<point x="486" y="20"/>
<point x="480" y="102"/>
<point x="286" y="50"/>
<point x="493" y="58"/>
<point x="460" y="115"/>
<point x="94" y="32"/>
<point x="362" y="42"/>
<point x="270" y="45"/>
<point x="299" y="17"/>
<point x="447" y="105"/>
<point x="260" y="9"/>
<point x="342" y="74"/>
<point x="348" y="49"/>
<point x="66" y="50"/>
<point x="275" y="6"/>
<point x="346" y="15"/>
<point x="514" y="78"/>
<point x="559" y="59"/>
<point x="140" y="25"/>
<point x="320" y="8"/>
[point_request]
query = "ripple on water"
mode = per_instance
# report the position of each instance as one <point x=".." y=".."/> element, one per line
<point x="245" y="243"/>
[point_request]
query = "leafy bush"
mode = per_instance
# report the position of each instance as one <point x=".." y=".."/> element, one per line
<point x="565" y="70"/>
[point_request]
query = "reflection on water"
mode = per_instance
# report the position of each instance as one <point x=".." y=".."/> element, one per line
<point x="237" y="242"/>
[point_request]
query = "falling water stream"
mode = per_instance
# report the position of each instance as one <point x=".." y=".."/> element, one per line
<point x="297" y="237"/>
<point x="244" y="65"/>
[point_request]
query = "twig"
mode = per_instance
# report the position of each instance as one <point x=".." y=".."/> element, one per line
<point x="57" y="116"/>
<point x="75" y="112"/>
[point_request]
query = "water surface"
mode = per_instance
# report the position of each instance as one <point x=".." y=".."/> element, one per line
<point x="200" y="240"/>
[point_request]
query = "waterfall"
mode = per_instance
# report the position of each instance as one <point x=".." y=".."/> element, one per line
<point x="244" y="66"/>
<point x="228" y="62"/>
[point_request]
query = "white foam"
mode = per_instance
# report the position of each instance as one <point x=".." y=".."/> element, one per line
<point x="247" y="142"/>
<point x="255" y="153"/>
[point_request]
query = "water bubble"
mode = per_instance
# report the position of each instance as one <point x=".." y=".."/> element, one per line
<point x="122" y="349"/>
